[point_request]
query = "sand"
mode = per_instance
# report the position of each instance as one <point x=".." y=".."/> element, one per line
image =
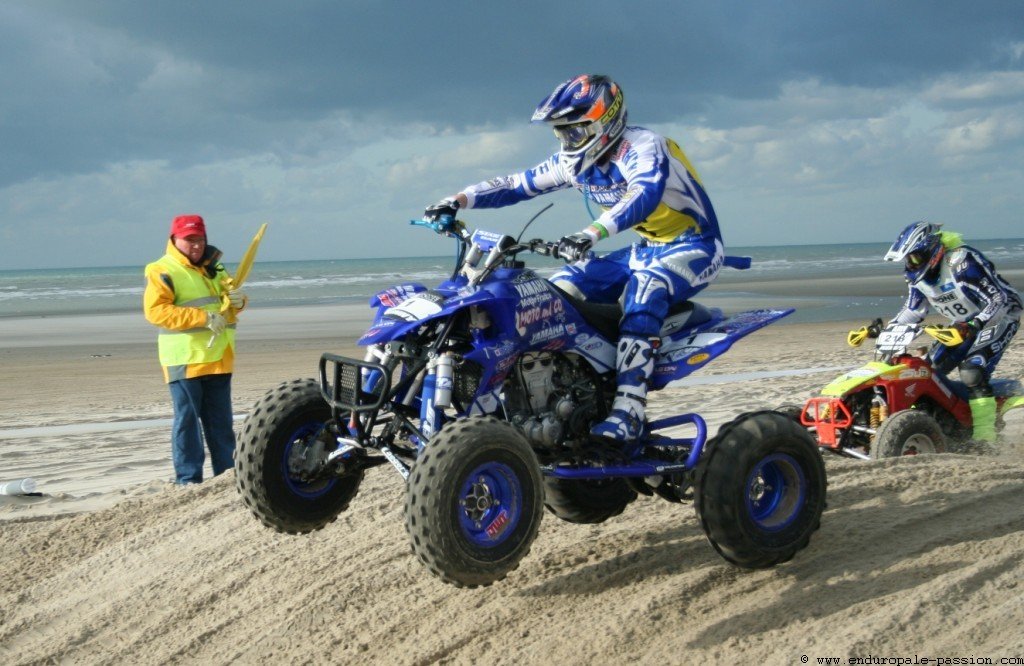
<point x="916" y="557"/>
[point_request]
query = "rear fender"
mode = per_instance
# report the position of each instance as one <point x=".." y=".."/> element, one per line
<point x="680" y="356"/>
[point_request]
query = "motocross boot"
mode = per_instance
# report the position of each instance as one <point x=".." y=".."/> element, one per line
<point x="983" y="414"/>
<point x="634" y="364"/>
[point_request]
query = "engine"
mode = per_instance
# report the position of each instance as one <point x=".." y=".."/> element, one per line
<point x="552" y="398"/>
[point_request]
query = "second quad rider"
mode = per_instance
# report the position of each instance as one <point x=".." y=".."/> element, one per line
<point x="642" y="181"/>
<point x="959" y="282"/>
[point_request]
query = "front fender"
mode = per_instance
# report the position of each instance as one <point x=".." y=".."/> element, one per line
<point x="415" y="309"/>
<point x="856" y="378"/>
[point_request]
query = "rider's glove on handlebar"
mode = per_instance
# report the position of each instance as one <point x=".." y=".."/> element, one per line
<point x="448" y="206"/>
<point x="574" y="247"/>
<point x="968" y="329"/>
<point x="875" y="328"/>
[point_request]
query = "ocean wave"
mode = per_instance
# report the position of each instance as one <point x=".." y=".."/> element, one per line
<point x="63" y="293"/>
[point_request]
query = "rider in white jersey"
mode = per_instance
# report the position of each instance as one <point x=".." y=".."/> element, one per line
<point x="960" y="283"/>
<point x="642" y="181"/>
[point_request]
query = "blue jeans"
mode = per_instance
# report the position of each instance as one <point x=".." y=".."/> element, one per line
<point x="205" y="400"/>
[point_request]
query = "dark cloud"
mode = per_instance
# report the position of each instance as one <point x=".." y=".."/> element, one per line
<point x="87" y="84"/>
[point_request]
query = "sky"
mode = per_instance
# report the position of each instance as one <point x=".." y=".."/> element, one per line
<point x="338" y="121"/>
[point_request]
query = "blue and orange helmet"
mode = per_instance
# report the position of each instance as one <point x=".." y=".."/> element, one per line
<point x="588" y="115"/>
<point x="919" y="246"/>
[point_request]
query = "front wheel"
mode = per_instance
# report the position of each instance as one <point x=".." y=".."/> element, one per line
<point x="908" y="433"/>
<point x="760" y="490"/>
<point x="474" y="501"/>
<point x="278" y="449"/>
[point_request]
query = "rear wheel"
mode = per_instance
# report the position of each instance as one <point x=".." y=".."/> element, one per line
<point x="760" y="490"/>
<point x="587" y="501"/>
<point x="908" y="433"/>
<point x="278" y="448"/>
<point x="474" y="502"/>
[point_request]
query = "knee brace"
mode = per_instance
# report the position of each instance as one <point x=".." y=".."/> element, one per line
<point x="975" y="378"/>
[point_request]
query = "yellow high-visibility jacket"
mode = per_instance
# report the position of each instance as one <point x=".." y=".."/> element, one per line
<point x="177" y="298"/>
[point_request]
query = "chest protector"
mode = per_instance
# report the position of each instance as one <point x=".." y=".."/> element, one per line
<point x="945" y="295"/>
<point x="192" y="289"/>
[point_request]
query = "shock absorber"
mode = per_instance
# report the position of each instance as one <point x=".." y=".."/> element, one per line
<point x="879" y="408"/>
<point x="444" y="378"/>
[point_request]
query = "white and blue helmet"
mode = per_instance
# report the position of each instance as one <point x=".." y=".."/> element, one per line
<point x="919" y="246"/>
<point x="588" y="115"/>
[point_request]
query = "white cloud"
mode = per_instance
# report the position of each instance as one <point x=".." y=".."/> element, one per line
<point x="985" y="133"/>
<point x="986" y="88"/>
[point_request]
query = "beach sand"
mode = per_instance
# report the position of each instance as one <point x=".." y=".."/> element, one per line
<point x="112" y="564"/>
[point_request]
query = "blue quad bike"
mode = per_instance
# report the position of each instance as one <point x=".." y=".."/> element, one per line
<point x="481" y="392"/>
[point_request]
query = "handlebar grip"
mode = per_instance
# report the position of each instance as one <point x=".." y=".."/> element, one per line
<point x="541" y="246"/>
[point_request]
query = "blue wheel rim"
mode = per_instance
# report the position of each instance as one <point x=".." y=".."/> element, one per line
<point x="776" y="492"/>
<point x="297" y="487"/>
<point x="490" y="503"/>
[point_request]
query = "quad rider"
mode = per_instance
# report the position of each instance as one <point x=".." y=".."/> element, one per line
<point x="960" y="283"/>
<point x="642" y="181"/>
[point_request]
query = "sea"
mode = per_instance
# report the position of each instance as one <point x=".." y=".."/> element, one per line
<point x="823" y="282"/>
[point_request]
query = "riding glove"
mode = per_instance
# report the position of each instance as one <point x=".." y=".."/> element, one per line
<point x="448" y="206"/>
<point x="573" y="248"/>
<point x="968" y="330"/>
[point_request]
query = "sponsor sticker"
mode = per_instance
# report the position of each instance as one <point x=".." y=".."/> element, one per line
<point x="418" y="307"/>
<point x="528" y="317"/>
<point x="498" y="525"/>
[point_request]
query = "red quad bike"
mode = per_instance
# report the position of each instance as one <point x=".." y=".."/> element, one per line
<point x="896" y="405"/>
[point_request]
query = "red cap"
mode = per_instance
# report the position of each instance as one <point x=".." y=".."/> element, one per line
<point x="188" y="225"/>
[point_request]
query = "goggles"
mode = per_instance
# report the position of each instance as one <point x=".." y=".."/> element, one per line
<point x="576" y="135"/>
<point x="915" y="260"/>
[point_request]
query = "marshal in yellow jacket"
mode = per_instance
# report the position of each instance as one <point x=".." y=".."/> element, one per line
<point x="177" y="298"/>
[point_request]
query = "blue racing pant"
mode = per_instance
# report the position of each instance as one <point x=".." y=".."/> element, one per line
<point x="648" y="277"/>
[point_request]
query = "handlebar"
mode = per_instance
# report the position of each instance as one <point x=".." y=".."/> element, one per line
<point x="897" y="338"/>
<point x="541" y="247"/>
<point x="446" y="225"/>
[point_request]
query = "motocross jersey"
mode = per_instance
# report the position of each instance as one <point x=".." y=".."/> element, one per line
<point x="647" y="185"/>
<point x="967" y="287"/>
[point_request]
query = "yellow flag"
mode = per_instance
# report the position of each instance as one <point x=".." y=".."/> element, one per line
<point x="244" y="266"/>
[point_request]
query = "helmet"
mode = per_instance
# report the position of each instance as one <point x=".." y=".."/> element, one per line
<point x="588" y="114"/>
<point x="920" y="248"/>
